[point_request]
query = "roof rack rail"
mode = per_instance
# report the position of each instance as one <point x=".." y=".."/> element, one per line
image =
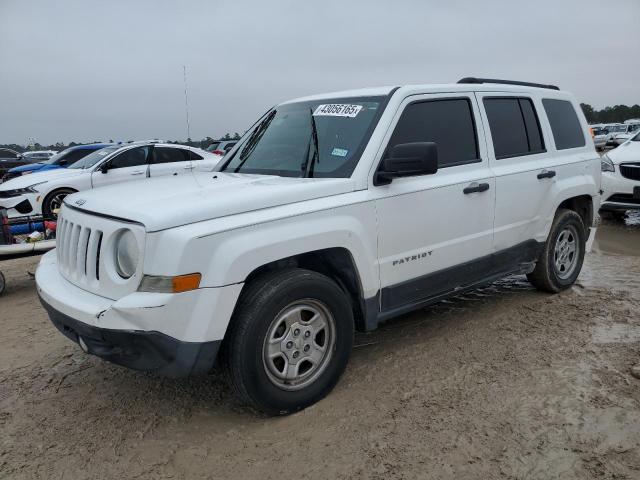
<point x="505" y="82"/>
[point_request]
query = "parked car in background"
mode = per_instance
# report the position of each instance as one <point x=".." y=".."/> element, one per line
<point x="601" y="136"/>
<point x="335" y="212"/>
<point x="9" y="159"/>
<point x="221" y="147"/>
<point x="41" y="193"/>
<point x="38" y="155"/>
<point x="621" y="178"/>
<point x="625" y="131"/>
<point x="59" y="160"/>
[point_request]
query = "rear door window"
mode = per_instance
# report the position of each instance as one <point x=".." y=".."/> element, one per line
<point x="169" y="155"/>
<point x="565" y="126"/>
<point x="514" y="125"/>
<point x="447" y="122"/>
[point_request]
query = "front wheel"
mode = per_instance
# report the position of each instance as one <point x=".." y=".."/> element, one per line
<point x="563" y="254"/>
<point x="53" y="202"/>
<point x="289" y="341"/>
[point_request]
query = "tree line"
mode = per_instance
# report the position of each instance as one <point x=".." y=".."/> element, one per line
<point x="617" y="114"/>
<point x="59" y="146"/>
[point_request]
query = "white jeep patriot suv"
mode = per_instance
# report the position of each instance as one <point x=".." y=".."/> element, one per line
<point x="334" y="212"/>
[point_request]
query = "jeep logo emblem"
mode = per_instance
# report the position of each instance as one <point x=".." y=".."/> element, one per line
<point x="80" y="202"/>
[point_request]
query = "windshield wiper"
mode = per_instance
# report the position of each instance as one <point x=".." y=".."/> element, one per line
<point x="254" y="139"/>
<point x="313" y="141"/>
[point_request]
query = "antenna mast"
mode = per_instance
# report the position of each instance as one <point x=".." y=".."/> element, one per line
<point x="186" y="100"/>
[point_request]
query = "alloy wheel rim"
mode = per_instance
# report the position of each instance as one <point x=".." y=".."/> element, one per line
<point x="565" y="252"/>
<point x="299" y="344"/>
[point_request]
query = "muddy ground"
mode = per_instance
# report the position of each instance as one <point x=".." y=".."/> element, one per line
<point x="506" y="382"/>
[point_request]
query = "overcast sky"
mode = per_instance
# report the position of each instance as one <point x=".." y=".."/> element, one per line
<point x="83" y="70"/>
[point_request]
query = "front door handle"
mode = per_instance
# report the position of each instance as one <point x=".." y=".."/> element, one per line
<point x="476" y="187"/>
<point x="546" y="174"/>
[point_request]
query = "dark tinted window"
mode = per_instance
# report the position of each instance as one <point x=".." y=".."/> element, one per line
<point x="169" y="155"/>
<point x="448" y="123"/>
<point x="531" y="123"/>
<point x="74" y="156"/>
<point x="194" y="156"/>
<point x="130" y="158"/>
<point x="567" y="132"/>
<point x="229" y="146"/>
<point x="514" y="125"/>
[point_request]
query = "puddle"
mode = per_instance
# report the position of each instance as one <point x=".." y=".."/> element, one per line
<point x="619" y="237"/>
<point x="616" y="333"/>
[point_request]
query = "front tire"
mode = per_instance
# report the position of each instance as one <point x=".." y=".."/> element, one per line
<point x="53" y="202"/>
<point x="561" y="260"/>
<point x="289" y="341"/>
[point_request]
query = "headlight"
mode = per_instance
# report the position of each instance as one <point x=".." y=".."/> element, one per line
<point x="606" y="165"/>
<point x="16" y="192"/>
<point x="127" y="254"/>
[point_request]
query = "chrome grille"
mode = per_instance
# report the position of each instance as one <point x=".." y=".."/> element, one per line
<point x="630" y="171"/>
<point x="78" y="250"/>
<point x="86" y="252"/>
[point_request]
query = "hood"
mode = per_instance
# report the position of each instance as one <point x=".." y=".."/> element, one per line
<point x="168" y="202"/>
<point x="40" y="176"/>
<point x="27" y="168"/>
<point x="627" y="152"/>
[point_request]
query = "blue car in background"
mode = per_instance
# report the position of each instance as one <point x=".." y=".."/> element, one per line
<point x="59" y="160"/>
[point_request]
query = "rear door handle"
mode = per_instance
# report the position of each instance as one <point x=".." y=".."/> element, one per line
<point x="138" y="173"/>
<point x="546" y="174"/>
<point x="476" y="187"/>
<point x="189" y="167"/>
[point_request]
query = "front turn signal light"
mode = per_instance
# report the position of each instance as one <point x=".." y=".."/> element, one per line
<point x="162" y="284"/>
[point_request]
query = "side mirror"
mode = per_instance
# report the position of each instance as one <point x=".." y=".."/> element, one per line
<point x="408" y="159"/>
<point x="104" y="168"/>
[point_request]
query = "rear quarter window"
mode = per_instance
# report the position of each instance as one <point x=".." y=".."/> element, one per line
<point x="565" y="126"/>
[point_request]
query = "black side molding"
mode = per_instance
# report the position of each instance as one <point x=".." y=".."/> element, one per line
<point x="477" y="80"/>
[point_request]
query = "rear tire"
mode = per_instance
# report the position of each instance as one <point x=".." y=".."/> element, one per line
<point x="561" y="260"/>
<point x="289" y="341"/>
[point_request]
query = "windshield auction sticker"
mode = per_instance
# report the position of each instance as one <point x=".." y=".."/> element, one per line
<point x="337" y="110"/>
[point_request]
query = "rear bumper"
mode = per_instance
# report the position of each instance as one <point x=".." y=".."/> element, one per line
<point x="139" y="350"/>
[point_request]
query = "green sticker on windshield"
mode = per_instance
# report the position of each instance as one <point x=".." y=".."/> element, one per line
<point x="339" y="152"/>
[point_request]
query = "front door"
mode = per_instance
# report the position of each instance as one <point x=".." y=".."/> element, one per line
<point x="126" y="166"/>
<point x="436" y="231"/>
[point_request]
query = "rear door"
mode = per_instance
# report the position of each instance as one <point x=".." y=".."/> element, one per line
<point x="436" y="231"/>
<point x="128" y="165"/>
<point x="524" y="168"/>
<point x="169" y="161"/>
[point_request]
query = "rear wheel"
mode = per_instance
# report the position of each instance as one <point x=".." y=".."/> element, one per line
<point x="53" y="201"/>
<point x="561" y="261"/>
<point x="289" y="341"/>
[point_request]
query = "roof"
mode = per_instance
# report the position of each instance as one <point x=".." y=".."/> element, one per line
<point x="429" y="88"/>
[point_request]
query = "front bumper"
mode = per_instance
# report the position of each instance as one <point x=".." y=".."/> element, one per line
<point x="172" y="334"/>
<point x="26" y="204"/>
<point x="148" y="351"/>
<point x="619" y="193"/>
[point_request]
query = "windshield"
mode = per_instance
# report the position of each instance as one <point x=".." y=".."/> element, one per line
<point x="320" y="138"/>
<point x="93" y="158"/>
<point x="58" y="156"/>
<point x="636" y="138"/>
